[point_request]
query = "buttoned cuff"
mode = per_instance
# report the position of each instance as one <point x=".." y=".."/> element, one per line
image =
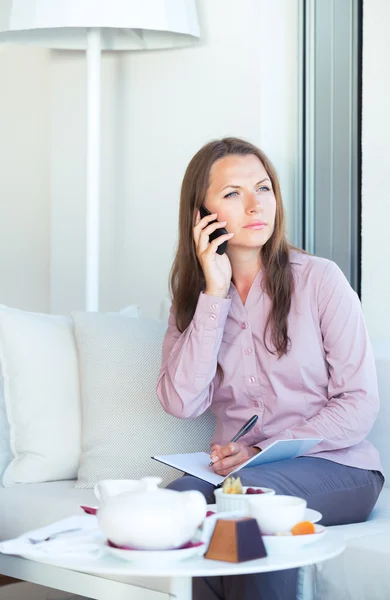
<point x="211" y="311"/>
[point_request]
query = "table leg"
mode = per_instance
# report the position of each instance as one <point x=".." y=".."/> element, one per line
<point x="181" y="588"/>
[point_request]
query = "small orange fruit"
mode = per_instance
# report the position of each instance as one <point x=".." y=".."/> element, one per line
<point x="303" y="528"/>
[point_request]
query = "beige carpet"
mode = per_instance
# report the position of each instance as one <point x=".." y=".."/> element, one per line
<point x="28" y="591"/>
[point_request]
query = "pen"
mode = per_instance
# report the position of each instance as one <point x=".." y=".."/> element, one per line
<point x="244" y="429"/>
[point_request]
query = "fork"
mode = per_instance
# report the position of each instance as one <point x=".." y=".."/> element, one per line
<point x="53" y="536"/>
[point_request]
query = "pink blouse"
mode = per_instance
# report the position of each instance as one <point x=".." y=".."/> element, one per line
<point x="325" y="387"/>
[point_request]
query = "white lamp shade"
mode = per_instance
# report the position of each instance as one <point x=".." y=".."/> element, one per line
<point x="124" y="24"/>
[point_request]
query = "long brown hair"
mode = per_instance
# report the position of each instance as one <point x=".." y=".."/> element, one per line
<point x="187" y="279"/>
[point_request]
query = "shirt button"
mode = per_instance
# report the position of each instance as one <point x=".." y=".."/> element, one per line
<point x="212" y="317"/>
<point x="256" y="429"/>
<point x="256" y="403"/>
<point x="248" y="351"/>
<point x="214" y="306"/>
<point x="251" y="379"/>
<point x="244" y="325"/>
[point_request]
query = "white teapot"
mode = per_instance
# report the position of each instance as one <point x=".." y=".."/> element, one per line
<point x="141" y="515"/>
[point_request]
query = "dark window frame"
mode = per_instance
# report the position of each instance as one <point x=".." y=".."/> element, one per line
<point x="329" y="138"/>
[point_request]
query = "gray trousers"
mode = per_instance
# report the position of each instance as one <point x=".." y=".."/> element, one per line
<point x="342" y="494"/>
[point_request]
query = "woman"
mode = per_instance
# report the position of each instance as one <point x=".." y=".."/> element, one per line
<point x="267" y="329"/>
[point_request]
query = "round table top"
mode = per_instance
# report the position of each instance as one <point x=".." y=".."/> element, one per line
<point x="329" y="546"/>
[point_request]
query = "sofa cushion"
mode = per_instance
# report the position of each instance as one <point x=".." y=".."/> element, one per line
<point x="5" y="446"/>
<point x="41" y="390"/>
<point x="123" y="422"/>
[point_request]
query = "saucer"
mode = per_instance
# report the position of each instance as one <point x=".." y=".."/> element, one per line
<point x="312" y="515"/>
<point x="89" y="510"/>
<point x="150" y="556"/>
<point x="283" y="544"/>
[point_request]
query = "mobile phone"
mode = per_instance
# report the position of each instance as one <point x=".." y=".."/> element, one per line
<point x="217" y="233"/>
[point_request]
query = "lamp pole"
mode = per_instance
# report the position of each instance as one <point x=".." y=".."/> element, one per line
<point x="93" y="169"/>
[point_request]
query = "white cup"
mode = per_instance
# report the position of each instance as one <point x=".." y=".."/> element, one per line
<point x="276" y="514"/>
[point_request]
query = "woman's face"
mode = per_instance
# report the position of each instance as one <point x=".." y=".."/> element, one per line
<point x="241" y="193"/>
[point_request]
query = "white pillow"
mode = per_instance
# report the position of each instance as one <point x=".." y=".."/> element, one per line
<point x="5" y="448"/>
<point x="42" y="397"/>
<point x="41" y="391"/>
<point x="123" y="421"/>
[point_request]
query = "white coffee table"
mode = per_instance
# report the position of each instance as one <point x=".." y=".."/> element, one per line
<point x="175" y="578"/>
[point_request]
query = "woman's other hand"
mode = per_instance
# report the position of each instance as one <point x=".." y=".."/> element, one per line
<point x="229" y="457"/>
<point x="216" y="268"/>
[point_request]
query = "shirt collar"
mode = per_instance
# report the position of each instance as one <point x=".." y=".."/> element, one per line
<point x="296" y="257"/>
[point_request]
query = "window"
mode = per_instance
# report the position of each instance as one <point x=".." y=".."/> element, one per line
<point x="328" y="192"/>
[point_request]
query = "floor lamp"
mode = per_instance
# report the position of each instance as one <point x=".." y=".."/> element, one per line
<point x="95" y="26"/>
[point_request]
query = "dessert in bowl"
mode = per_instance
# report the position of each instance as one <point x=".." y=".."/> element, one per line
<point x="234" y="496"/>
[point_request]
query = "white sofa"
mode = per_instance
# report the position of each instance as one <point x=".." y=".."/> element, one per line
<point x="360" y="573"/>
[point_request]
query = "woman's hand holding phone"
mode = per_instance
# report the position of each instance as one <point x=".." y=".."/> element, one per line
<point x="216" y="267"/>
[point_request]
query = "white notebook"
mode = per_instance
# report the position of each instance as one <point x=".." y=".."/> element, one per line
<point x="197" y="463"/>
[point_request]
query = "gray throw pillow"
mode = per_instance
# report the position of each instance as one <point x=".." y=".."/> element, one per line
<point x="123" y="423"/>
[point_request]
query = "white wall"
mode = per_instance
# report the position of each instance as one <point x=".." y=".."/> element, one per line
<point x="24" y="177"/>
<point x="158" y="109"/>
<point x="376" y="169"/>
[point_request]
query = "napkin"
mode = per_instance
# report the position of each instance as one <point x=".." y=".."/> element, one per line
<point x="86" y="542"/>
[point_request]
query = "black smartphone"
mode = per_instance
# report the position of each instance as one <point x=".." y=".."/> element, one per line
<point x="217" y="233"/>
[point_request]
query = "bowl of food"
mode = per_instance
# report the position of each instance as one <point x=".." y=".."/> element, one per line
<point x="275" y="514"/>
<point x="234" y="496"/>
<point x="287" y="542"/>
